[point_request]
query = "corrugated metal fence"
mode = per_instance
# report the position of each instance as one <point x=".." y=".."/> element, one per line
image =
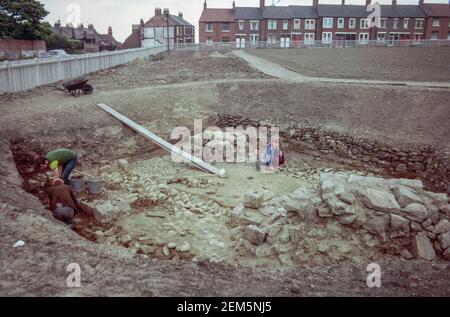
<point x="23" y="75"/>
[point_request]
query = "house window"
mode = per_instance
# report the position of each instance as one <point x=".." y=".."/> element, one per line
<point x="225" y="27"/>
<point x="285" y="25"/>
<point x="310" y="24"/>
<point x="406" y="23"/>
<point x="352" y="23"/>
<point x="383" y="23"/>
<point x="395" y="24"/>
<point x="297" y="24"/>
<point x="241" y="25"/>
<point x="434" y="35"/>
<point x="309" y="38"/>
<point x="271" y="39"/>
<point x="448" y="36"/>
<point x="363" y="38"/>
<point x="340" y="23"/>
<point x="225" y="39"/>
<point x="419" y="23"/>
<point x="254" y="25"/>
<point x="209" y="41"/>
<point x="364" y="24"/>
<point x="327" y="37"/>
<point x="272" y="24"/>
<point x="436" y="21"/>
<point x="209" y="27"/>
<point x="381" y="37"/>
<point x="418" y="38"/>
<point x="327" y="23"/>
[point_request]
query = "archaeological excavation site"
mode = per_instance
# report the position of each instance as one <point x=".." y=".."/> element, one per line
<point x="366" y="178"/>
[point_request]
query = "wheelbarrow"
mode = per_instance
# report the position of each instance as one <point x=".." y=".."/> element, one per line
<point x="78" y="85"/>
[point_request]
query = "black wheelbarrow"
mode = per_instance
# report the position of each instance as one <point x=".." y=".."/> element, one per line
<point x="78" y="85"/>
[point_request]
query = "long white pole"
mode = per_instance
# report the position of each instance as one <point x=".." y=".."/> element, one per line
<point x="163" y="143"/>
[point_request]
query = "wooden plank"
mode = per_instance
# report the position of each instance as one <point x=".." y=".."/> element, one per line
<point x="163" y="143"/>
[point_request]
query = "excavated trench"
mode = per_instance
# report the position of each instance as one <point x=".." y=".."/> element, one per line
<point x="168" y="211"/>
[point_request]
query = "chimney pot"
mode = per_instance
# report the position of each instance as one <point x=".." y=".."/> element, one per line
<point x="205" y="5"/>
<point x="315" y="3"/>
<point x="234" y="4"/>
<point x="343" y="2"/>
<point x="158" y="12"/>
<point x="262" y="3"/>
<point x="394" y="3"/>
<point x="180" y="14"/>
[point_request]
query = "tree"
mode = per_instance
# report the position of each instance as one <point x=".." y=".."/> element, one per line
<point x="21" y="19"/>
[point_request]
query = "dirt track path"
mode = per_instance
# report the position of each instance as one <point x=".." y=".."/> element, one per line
<point x="278" y="71"/>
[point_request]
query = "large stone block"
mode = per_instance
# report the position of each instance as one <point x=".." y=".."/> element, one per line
<point x="400" y="227"/>
<point x="444" y="240"/>
<point x="416" y="212"/>
<point x="406" y="196"/>
<point x="255" y="235"/>
<point x="422" y="247"/>
<point x="380" y="200"/>
<point x="253" y="199"/>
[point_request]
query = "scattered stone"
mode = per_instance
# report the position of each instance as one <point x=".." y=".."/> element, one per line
<point x="123" y="206"/>
<point x="285" y="259"/>
<point x="446" y="254"/>
<point x="422" y="247"/>
<point x="123" y="164"/>
<point x="444" y="240"/>
<point x="417" y="212"/>
<point x="324" y="212"/>
<point x="445" y="209"/>
<point x="377" y="225"/>
<point x="406" y="196"/>
<point x="347" y="219"/>
<point x="380" y="200"/>
<point x="347" y="198"/>
<point x="166" y="252"/>
<point x="99" y="236"/>
<point x="264" y="251"/>
<point x="323" y="247"/>
<point x="172" y="245"/>
<point x="185" y="247"/>
<point x="442" y="226"/>
<point x="146" y="250"/>
<point x="407" y="255"/>
<point x="399" y="226"/>
<point x="255" y="235"/>
<point x="253" y="199"/>
<point x="295" y="234"/>
<point x="415" y="226"/>
<point x="106" y="213"/>
<point x="126" y="239"/>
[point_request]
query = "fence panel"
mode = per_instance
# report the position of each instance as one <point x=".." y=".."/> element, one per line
<point x="23" y="75"/>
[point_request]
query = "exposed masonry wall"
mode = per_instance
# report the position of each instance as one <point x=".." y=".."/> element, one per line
<point x="413" y="161"/>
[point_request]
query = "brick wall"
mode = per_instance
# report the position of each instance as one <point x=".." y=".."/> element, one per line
<point x="15" y="49"/>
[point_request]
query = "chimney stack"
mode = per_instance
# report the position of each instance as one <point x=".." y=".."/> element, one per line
<point x="262" y="3"/>
<point x="420" y="3"/>
<point x="368" y="2"/>
<point x="166" y="12"/>
<point x="158" y="12"/>
<point x="81" y="26"/>
<point x="110" y="32"/>
<point x="205" y="5"/>
<point x="180" y="14"/>
<point x="394" y="3"/>
<point x="343" y="2"/>
<point x="90" y="26"/>
<point x="315" y="3"/>
<point x="234" y="4"/>
<point x="142" y="22"/>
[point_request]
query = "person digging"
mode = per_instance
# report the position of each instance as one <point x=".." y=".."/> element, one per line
<point x="63" y="203"/>
<point x="61" y="161"/>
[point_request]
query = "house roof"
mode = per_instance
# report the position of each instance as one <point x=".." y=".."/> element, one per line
<point x="348" y="11"/>
<point x="180" y="21"/>
<point x="402" y="11"/>
<point x="217" y="15"/>
<point x="246" y="13"/>
<point x="277" y="13"/>
<point x="303" y="12"/>
<point x="437" y="10"/>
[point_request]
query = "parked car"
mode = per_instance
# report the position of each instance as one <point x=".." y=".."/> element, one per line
<point x="57" y="54"/>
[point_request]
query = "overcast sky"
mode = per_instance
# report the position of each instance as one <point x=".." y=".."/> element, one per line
<point x="121" y="14"/>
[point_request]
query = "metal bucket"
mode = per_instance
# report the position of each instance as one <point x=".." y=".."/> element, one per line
<point x="94" y="186"/>
<point x="77" y="184"/>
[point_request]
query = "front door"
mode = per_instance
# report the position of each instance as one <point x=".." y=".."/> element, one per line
<point x="297" y="40"/>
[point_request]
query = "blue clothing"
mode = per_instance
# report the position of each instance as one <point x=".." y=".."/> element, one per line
<point x="64" y="214"/>
<point x="268" y="155"/>
<point x="68" y="169"/>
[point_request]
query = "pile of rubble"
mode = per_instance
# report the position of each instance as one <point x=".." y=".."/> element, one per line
<point x="393" y="215"/>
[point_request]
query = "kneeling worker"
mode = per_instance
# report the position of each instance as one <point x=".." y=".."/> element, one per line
<point x="63" y="203"/>
<point x="61" y="161"/>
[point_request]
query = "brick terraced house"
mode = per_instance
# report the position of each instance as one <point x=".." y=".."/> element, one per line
<point x="157" y="31"/>
<point x="292" y="26"/>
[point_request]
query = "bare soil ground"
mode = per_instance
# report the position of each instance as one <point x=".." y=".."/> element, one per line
<point x="42" y="119"/>
<point x="384" y="63"/>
